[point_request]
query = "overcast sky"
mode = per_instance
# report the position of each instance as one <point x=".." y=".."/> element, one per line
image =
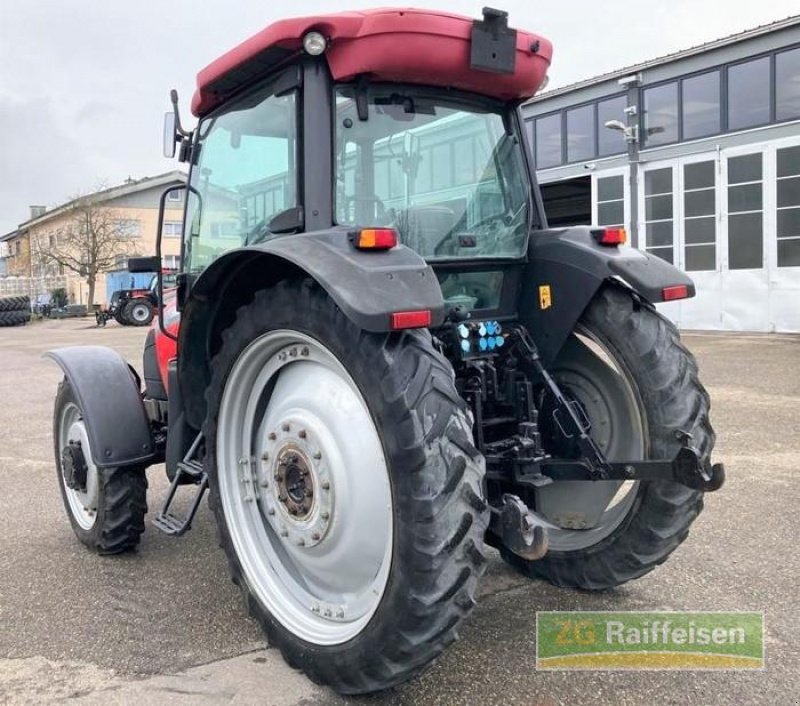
<point x="84" y="83"/>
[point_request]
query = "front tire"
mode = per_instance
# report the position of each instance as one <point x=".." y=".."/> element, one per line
<point x="105" y="506"/>
<point x="645" y="522"/>
<point x="346" y="489"/>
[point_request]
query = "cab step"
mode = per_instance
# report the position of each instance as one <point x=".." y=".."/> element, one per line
<point x="190" y="471"/>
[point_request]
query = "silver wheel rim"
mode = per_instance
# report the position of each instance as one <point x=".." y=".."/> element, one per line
<point x="82" y="504"/>
<point x="292" y="420"/>
<point x="581" y="514"/>
<point x="140" y="312"/>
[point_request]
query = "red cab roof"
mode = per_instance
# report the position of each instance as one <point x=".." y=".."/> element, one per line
<point x="390" y="44"/>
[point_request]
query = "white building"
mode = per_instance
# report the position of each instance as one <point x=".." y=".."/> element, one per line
<point x="702" y="166"/>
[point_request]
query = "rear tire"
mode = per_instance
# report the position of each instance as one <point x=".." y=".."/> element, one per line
<point x="138" y="312"/>
<point x="107" y="513"/>
<point x="20" y="303"/>
<point x="14" y="318"/>
<point x="433" y="474"/>
<point x="664" y="375"/>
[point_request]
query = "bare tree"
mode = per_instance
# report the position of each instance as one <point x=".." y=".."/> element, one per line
<point x="89" y="240"/>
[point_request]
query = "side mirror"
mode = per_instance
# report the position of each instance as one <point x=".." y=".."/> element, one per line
<point x="144" y="264"/>
<point x="170" y="134"/>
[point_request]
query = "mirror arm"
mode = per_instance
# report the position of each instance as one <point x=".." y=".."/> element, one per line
<point x="173" y="96"/>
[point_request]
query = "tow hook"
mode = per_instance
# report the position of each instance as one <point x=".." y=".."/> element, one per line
<point x="520" y="529"/>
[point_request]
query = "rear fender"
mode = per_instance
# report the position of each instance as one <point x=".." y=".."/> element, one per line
<point x="107" y="392"/>
<point x="566" y="267"/>
<point x="367" y="286"/>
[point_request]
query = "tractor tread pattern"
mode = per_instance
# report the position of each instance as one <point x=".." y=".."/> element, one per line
<point x="17" y="303"/>
<point x="14" y="318"/>
<point x="437" y="479"/>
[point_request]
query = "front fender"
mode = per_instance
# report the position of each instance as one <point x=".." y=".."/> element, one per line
<point x="574" y="266"/>
<point x="368" y="286"/>
<point x="108" y="395"/>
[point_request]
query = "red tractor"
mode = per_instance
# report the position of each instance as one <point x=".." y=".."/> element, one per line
<point x="378" y="357"/>
<point x="135" y="307"/>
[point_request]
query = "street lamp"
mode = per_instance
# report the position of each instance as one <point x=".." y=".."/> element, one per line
<point x="631" y="133"/>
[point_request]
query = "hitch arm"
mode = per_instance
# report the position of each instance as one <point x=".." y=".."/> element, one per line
<point x="568" y="417"/>
<point x="686" y="468"/>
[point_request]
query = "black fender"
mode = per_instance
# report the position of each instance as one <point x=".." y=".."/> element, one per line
<point x="566" y="267"/>
<point x="368" y="286"/>
<point x="107" y="392"/>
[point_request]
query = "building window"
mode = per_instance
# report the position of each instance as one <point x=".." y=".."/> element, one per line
<point x="745" y="212"/>
<point x="610" y="141"/>
<point x="787" y="85"/>
<point x="611" y="201"/>
<point x="788" y="216"/>
<point x="171" y="262"/>
<point x="699" y="216"/>
<point x="129" y="227"/>
<point x="661" y="114"/>
<point x="173" y="229"/>
<point x="701" y="108"/>
<point x="175" y="195"/>
<point x="748" y="94"/>
<point x="580" y="133"/>
<point x="658" y="212"/>
<point x="548" y="141"/>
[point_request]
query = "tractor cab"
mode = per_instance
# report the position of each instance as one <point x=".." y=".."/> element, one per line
<point x="417" y="131"/>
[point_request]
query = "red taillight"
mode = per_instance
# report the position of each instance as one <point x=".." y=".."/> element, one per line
<point x="411" y="319"/>
<point x="610" y="236"/>
<point x="375" y="239"/>
<point x="677" y="291"/>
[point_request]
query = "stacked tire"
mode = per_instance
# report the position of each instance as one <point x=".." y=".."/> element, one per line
<point x="15" y="311"/>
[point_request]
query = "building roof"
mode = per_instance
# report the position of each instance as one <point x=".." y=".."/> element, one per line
<point x="667" y="58"/>
<point x="8" y="236"/>
<point x="131" y="186"/>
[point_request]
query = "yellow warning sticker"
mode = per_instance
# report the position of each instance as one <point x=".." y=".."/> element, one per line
<point x="545" y="299"/>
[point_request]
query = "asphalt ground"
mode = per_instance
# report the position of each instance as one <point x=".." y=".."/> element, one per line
<point x="165" y="625"/>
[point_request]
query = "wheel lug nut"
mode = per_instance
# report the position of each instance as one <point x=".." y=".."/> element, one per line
<point x="302" y="433"/>
<point x="317" y="456"/>
<point x="271" y="511"/>
<point x="315" y="536"/>
<point x="308" y="492"/>
<point x="284" y="532"/>
<point x="325" y="515"/>
<point x="272" y="436"/>
<point x="315" y="608"/>
<point x="340" y="613"/>
<point x="286" y="427"/>
<point x="325" y="485"/>
<point x="304" y="351"/>
<point x="265" y="456"/>
<point x="283" y="497"/>
<point x="301" y="542"/>
<point x="293" y="352"/>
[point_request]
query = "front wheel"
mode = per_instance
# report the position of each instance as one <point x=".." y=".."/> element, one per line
<point x="638" y="385"/>
<point x="105" y="506"/>
<point x="346" y="488"/>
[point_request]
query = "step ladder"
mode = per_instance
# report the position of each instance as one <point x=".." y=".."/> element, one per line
<point x="190" y="471"/>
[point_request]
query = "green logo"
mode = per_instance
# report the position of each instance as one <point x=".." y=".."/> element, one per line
<point x="608" y="640"/>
